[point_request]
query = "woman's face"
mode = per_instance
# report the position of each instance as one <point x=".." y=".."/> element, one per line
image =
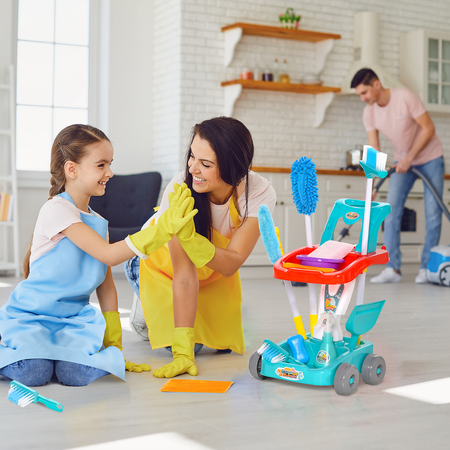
<point x="205" y="172"/>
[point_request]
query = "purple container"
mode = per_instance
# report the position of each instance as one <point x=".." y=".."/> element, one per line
<point x="306" y="260"/>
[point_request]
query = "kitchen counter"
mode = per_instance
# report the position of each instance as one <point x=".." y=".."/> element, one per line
<point x="354" y="173"/>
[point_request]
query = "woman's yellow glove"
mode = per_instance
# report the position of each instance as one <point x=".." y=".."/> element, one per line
<point x="113" y="337"/>
<point x="180" y="212"/>
<point x="196" y="246"/>
<point x="183" y="344"/>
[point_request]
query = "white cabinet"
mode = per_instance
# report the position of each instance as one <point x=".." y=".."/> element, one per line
<point x="9" y="229"/>
<point x="425" y="67"/>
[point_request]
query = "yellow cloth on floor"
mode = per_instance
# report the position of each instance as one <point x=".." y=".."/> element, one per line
<point x="218" y="322"/>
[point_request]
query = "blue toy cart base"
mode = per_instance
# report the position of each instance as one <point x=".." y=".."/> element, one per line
<point x="352" y="358"/>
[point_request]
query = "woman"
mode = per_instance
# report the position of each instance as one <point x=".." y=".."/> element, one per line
<point x="190" y="290"/>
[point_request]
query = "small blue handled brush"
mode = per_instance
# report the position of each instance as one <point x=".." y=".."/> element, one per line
<point x="304" y="193"/>
<point x="274" y="252"/>
<point x="23" y="395"/>
<point x="273" y="353"/>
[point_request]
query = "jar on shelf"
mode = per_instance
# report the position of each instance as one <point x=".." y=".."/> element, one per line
<point x="267" y="75"/>
<point x="284" y="77"/>
<point x="246" y="74"/>
<point x="257" y="74"/>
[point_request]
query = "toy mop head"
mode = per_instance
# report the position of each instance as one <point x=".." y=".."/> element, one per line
<point x="373" y="162"/>
<point x="269" y="234"/>
<point x="304" y="185"/>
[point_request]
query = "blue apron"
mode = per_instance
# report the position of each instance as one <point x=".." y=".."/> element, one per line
<point x="48" y="315"/>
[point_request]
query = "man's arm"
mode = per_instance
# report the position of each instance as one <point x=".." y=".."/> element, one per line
<point x="424" y="137"/>
<point x="373" y="138"/>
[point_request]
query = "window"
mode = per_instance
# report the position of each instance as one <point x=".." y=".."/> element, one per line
<point x="52" y="75"/>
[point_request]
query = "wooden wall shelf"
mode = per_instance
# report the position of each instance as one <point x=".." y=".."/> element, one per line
<point x="323" y="43"/>
<point x="323" y="94"/>
<point x="283" y="87"/>
<point x="281" y="33"/>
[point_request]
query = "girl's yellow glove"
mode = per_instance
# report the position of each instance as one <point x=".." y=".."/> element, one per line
<point x="180" y="212"/>
<point x="113" y="337"/>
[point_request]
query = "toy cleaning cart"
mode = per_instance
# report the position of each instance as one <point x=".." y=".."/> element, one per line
<point x="325" y="357"/>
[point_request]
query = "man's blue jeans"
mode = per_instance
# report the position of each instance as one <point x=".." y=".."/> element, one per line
<point x="37" y="372"/>
<point x="399" y="186"/>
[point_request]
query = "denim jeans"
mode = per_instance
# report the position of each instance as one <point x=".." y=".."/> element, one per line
<point x="399" y="186"/>
<point x="37" y="372"/>
<point x="132" y="273"/>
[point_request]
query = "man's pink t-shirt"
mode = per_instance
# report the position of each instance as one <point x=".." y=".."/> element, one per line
<point x="396" y="122"/>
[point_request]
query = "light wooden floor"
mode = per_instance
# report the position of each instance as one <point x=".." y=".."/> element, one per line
<point x="412" y="334"/>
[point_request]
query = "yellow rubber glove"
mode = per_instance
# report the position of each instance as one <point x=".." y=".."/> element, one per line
<point x="179" y="213"/>
<point x="183" y="344"/>
<point x="196" y="246"/>
<point x="113" y="337"/>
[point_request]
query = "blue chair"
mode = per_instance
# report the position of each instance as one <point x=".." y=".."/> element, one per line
<point x="128" y="202"/>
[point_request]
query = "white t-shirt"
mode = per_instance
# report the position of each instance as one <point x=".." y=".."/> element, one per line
<point x="260" y="192"/>
<point x="55" y="216"/>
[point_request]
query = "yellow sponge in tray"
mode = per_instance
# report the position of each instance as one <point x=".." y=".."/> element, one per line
<point x="197" y="386"/>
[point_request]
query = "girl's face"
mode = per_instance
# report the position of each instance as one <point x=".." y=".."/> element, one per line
<point x="205" y="172"/>
<point x="94" y="169"/>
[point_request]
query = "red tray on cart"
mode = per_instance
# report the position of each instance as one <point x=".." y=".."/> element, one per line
<point x="354" y="264"/>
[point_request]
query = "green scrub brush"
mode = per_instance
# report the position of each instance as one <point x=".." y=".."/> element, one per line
<point x="304" y="193"/>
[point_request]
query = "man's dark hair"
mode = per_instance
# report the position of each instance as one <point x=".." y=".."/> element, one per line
<point x="364" y="76"/>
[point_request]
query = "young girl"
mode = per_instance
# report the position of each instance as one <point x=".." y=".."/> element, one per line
<point x="193" y="294"/>
<point x="48" y="325"/>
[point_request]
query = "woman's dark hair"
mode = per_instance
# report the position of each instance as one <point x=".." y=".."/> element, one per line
<point x="70" y="145"/>
<point x="233" y="145"/>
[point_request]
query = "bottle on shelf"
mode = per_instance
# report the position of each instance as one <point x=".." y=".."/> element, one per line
<point x="284" y="77"/>
<point x="276" y="73"/>
<point x="257" y="74"/>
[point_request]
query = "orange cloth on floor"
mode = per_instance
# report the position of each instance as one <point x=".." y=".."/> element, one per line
<point x="218" y="322"/>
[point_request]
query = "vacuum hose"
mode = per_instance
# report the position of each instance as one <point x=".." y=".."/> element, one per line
<point x="441" y="204"/>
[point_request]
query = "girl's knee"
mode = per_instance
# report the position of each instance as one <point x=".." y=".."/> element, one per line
<point x="32" y="372"/>
<point x="73" y="374"/>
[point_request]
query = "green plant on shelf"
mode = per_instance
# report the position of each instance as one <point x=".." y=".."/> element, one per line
<point x="289" y="19"/>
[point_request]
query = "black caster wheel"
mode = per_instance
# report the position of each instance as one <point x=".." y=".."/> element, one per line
<point x="254" y="366"/>
<point x="373" y="369"/>
<point x="346" y="379"/>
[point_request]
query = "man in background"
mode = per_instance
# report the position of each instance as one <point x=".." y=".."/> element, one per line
<point x="402" y="118"/>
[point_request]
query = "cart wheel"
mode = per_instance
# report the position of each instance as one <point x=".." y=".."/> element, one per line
<point x="373" y="369"/>
<point x="254" y="366"/>
<point x="444" y="275"/>
<point x="346" y="379"/>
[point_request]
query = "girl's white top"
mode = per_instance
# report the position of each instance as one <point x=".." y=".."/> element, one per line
<point x="55" y="216"/>
<point x="260" y="192"/>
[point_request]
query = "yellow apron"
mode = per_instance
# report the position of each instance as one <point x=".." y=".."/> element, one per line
<point x="218" y="322"/>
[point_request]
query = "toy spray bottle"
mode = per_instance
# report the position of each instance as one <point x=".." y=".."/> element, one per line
<point x="327" y="352"/>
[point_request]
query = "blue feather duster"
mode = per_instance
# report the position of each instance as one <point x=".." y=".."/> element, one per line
<point x="268" y="234"/>
<point x="304" y="185"/>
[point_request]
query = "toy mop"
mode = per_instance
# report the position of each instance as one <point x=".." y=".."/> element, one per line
<point x="325" y="357"/>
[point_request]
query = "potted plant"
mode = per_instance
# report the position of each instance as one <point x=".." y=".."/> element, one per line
<point x="289" y="19"/>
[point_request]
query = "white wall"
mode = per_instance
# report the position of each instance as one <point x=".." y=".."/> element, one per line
<point x="130" y="85"/>
<point x="282" y="124"/>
